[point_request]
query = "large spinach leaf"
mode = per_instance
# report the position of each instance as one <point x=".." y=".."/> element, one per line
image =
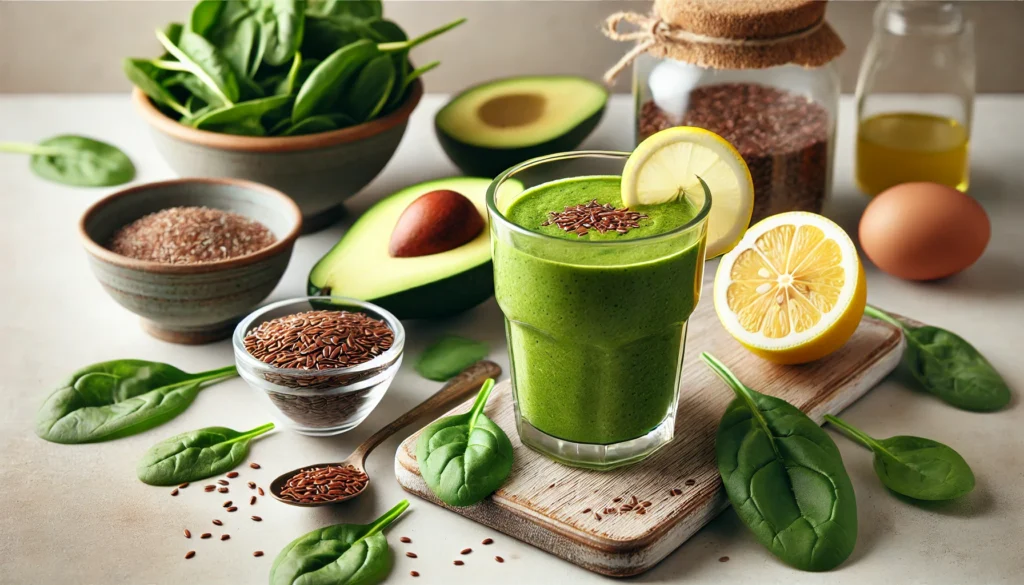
<point x="196" y="455"/>
<point x="319" y="93"/>
<point x="202" y="60"/>
<point x="76" y="160"/>
<point x="343" y="554"/>
<point x="146" y="75"/>
<point x="371" y="88"/>
<point x="948" y="366"/>
<point x="913" y="466"/>
<point x="465" y="457"/>
<point x="243" y="112"/>
<point x="785" y="478"/>
<point x="110" y="400"/>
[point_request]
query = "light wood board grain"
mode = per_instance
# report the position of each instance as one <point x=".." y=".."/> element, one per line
<point x="542" y="502"/>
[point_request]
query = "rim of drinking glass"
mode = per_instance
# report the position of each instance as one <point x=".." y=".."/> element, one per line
<point x="492" y="206"/>
<point x="238" y="337"/>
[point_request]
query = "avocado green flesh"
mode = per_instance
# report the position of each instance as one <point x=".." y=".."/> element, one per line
<point x="491" y="127"/>
<point x="437" y="285"/>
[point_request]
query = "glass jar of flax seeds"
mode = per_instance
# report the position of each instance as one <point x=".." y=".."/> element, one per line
<point x="757" y="72"/>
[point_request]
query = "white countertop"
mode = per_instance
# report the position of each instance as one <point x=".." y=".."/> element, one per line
<point x="78" y="515"/>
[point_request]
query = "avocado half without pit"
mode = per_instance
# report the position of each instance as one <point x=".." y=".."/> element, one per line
<point x="422" y="252"/>
<point x="491" y="127"/>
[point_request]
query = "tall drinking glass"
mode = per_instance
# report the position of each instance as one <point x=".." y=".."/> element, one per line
<point x="596" y="325"/>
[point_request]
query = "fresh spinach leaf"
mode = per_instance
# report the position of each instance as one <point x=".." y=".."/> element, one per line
<point x="115" y="399"/>
<point x="448" y="356"/>
<point x="146" y="76"/>
<point x="785" y="478"/>
<point x="464" y="458"/>
<point x="196" y="455"/>
<point x="388" y="31"/>
<point x="241" y="113"/>
<point x="371" y="88"/>
<point x="343" y="554"/>
<point x="202" y="60"/>
<point x="205" y="15"/>
<point x="361" y="9"/>
<point x="320" y="91"/>
<point x="76" y="160"/>
<point x="323" y="37"/>
<point x="913" y="466"/>
<point x="311" y="125"/>
<point x="399" y="93"/>
<point x="949" y="367"/>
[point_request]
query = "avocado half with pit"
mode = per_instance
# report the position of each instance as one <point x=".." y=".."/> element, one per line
<point x="491" y="127"/>
<point x="368" y="265"/>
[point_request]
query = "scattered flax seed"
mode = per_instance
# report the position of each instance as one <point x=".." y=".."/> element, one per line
<point x="551" y="486"/>
<point x="324" y="484"/>
<point x="319" y="340"/>
<point x="254" y="465"/>
<point x="174" y="492"/>
<point x="232" y="474"/>
<point x="586" y="511"/>
<point x="414" y="574"/>
<point x="205" y="535"/>
<point x="690" y="482"/>
<point x="190" y="554"/>
<point x="252" y="485"/>
<point x="405" y="539"/>
<point x="633" y="501"/>
<point x="225" y="537"/>
<point x="232" y="508"/>
<point x="597" y="516"/>
<point x="256" y="519"/>
<point x="223" y="482"/>
<point x="458" y="563"/>
<point x="257" y="553"/>
<point x="641" y="511"/>
<point x="260" y="491"/>
<point x="499" y="559"/>
<point x="411" y="555"/>
<point x="616" y="500"/>
<point x="190" y="235"/>
<point x="675" y="492"/>
<point x="465" y="551"/>
<point x="218" y="523"/>
<point x="252" y="501"/>
<point x="223" y="490"/>
<point x="487" y="541"/>
<point x="645" y="504"/>
<point x="183" y="485"/>
<point x="227" y="504"/>
<point x="626" y="508"/>
<point x="209" y="488"/>
<point x="723" y="559"/>
<point x="594" y="216"/>
<point x="188" y="534"/>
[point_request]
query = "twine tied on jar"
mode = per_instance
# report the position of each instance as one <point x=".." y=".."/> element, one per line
<point x="813" y="44"/>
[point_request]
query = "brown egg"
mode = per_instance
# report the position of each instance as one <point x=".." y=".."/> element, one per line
<point x="923" y="231"/>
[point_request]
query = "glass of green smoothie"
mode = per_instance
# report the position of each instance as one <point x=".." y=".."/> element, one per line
<point x="596" y="299"/>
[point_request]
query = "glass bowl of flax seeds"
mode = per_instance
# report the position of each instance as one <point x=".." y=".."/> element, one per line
<point x="322" y="363"/>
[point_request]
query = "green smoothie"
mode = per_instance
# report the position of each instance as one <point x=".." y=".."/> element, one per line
<point x="596" y="330"/>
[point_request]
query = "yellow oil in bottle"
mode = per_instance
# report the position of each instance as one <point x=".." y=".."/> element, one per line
<point x="896" y="148"/>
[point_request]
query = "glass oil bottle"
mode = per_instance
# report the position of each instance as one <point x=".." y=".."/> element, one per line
<point x="915" y="96"/>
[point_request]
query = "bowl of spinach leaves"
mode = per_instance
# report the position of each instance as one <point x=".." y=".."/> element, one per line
<point x="311" y="97"/>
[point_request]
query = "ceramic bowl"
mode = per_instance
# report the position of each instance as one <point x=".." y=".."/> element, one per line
<point x="319" y="402"/>
<point x="318" y="171"/>
<point x="194" y="303"/>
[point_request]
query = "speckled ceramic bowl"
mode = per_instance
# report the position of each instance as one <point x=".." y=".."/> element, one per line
<point x="318" y="171"/>
<point x="196" y="303"/>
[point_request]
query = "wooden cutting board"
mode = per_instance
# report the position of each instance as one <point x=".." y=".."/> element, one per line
<point x="543" y="502"/>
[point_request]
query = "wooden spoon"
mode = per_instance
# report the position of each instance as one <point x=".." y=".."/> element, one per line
<point x="456" y="391"/>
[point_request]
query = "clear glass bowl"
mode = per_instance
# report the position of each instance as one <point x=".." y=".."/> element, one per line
<point x="319" y="402"/>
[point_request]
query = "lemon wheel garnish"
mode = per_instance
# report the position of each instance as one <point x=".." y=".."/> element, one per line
<point x="665" y="167"/>
<point x="793" y="290"/>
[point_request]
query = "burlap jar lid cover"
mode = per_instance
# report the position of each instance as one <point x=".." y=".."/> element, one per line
<point x="729" y="34"/>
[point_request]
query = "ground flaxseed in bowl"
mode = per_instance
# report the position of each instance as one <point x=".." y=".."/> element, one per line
<point x="324" y="363"/>
<point x="190" y="235"/>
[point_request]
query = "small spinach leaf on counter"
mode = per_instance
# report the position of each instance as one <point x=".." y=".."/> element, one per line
<point x="449" y="356"/>
<point x="343" y="554"/>
<point x="949" y="367"/>
<point x="785" y="478"/>
<point x="464" y="458"/>
<point x="76" y="160"/>
<point x="196" y="455"/>
<point x="115" y="399"/>
<point x="913" y="466"/>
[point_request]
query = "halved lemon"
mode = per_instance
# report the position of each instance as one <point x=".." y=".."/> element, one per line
<point x="665" y="167"/>
<point x="793" y="290"/>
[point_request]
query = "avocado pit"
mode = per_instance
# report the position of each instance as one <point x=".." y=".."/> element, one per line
<point x="437" y="221"/>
